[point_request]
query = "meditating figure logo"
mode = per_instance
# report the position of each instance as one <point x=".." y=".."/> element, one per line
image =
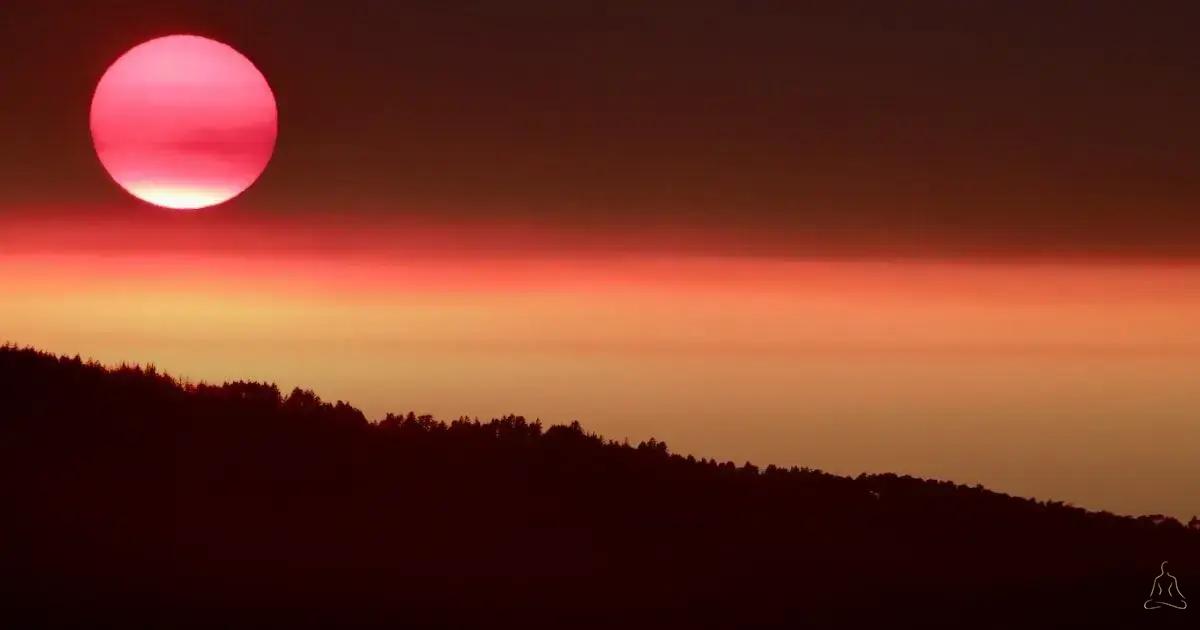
<point x="1165" y="591"/>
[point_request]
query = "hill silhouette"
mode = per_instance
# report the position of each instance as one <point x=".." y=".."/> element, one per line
<point x="132" y="495"/>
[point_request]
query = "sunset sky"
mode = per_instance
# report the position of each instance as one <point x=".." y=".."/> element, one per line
<point x="957" y="240"/>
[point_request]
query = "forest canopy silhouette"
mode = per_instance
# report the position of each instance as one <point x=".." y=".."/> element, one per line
<point x="130" y="490"/>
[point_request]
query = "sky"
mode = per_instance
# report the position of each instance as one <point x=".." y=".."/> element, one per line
<point x="948" y="239"/>
<point x="855" y="128"/>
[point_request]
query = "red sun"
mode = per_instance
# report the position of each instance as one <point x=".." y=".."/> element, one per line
<point x="184" y="122"/>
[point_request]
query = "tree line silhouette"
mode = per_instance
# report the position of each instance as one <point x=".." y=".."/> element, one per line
<point x="132" y="493"/>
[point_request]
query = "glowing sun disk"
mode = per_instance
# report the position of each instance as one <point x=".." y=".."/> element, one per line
<point x="184" y="122"/>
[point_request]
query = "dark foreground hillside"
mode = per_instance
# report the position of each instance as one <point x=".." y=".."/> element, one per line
<point x="130" y="497"/>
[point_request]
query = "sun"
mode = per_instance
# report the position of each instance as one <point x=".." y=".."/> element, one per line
<point x="184" y="122"/>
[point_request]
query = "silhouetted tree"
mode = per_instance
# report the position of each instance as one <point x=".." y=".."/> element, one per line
<point x="127" y="489"/>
